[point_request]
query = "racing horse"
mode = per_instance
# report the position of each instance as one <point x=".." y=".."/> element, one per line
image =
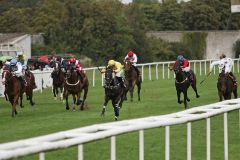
<point x="226" y="87"/>
<point x="113" y="91"/>
<point x="58" y="80"/>
<point x="132" y="78"/>
<point x="74" y="86"/>
<point x="13" y="89"/>
<point x="28" y="89"/>
<point x="182" y="83"/>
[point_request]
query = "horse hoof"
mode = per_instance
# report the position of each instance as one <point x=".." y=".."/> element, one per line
<point x="180" y="102"/>
<point x="197" y="96"/>
<point x="116" y="118"/>
<point x="32" y="103"/>
<point x="22" y="106"/>
<point x="67" y="108"/>
<point x="188" y="100"/>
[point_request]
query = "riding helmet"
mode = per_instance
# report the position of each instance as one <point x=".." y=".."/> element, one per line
<point x="111" y="62"/>
<point x="180" y="58"/>
<point x="130" y="54"/>
<point x="13" y="62"/>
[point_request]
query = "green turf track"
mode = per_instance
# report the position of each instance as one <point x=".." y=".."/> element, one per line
<point x="158" y="97"/>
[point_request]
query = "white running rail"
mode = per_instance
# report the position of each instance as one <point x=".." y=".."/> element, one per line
<point x="79" y="136"/>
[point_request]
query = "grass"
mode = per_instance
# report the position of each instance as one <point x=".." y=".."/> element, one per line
<point x="158" y="97"/>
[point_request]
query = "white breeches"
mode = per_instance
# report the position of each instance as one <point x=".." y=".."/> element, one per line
<point x="228" y="68"/>
<point x="186" y="69"/>
<point x="119" y="74"/>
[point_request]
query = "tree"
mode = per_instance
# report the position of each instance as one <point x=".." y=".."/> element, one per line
<point x="199" y="16"/>
<point x="169" y="16"/>
<point x="16" y="21"/>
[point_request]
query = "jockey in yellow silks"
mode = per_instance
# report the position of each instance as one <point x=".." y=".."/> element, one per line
<point x="118" y="69"/>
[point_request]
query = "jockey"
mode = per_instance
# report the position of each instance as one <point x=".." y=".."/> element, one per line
<point x="20" y="58"/>
<point x="118" y="69"/>
<point x="225" y="65"/>
<point x="76" y="64"/>
<point x="133" y="58"/>
<point x="60" y="60"/>
<point x="17" y="69"/>
<point x="185" y="66"/>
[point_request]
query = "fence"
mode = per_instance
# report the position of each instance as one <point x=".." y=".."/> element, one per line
<point x="78" y="137"/>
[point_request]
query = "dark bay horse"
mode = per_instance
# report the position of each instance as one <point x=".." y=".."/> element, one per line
<point x="114" y="92"/>
<point x="13" y="89"/>
<point x="182" y="83"/>
<point x="226" y="87"/>
<point x="74" y="86"/>
<point x="30" y="79"/>
<point x="58" y="77"/>
<point x="132" y="78"/>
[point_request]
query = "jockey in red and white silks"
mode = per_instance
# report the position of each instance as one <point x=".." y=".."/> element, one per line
<point x="132" y="57"/>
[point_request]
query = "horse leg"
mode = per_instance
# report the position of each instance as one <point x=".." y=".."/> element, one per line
<point x="220" y="96"/>
<point x="193" y="84"/>
<point x="14" y="104"/>
<point x="6" y="96"/>
<point x="54" y="93"/>
<point x="235" y="92"/>
<point x="66" y="99"/>
<point x="139" y="90"/>
<point x="57" y="92"/>
<point x="30" y="98"/>
<point x="74" y="101"/>
<point x="178" y="96"/>
<point x="105" y="105"/>
<point x="84" y="96"/>
<point x="116" y="107"/>
<point x="21" y="98"/>
<point x="61" y="93"/>
<point x="185" y="99"/>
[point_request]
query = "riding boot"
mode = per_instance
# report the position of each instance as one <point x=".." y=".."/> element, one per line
<point x="189" y="75"/>
<point x="121" y="81"/>
<point x="136" y="69"/>
<point x="233" y="78"/>
<point x="23" y="81"/>
<point x="80" y="77"/>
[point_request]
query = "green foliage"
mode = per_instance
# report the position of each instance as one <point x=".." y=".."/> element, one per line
<point x="200" y="16"/>
<point x="145" y="1"/>
<point x="169" y="16"/>
<point x="196" y="43"/>
<point x="160" y="50"/>
<point x="16" y="20"/>
<point x="236" y="48"/>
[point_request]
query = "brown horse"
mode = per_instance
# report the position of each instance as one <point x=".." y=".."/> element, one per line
<point x="226" y="87"/>
<point x="13" y="88"/>
<point x="132" y="79"/>
<point x="58" y="80"/>
<point x="74" y="86"/>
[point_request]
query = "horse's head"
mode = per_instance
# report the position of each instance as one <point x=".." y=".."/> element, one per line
<point x="70" y="71"/>
<point x="177" y="67"/>
<point x="127" y="64"/>
<point x="109" y="77"/>
<point x="6" y="76"/>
